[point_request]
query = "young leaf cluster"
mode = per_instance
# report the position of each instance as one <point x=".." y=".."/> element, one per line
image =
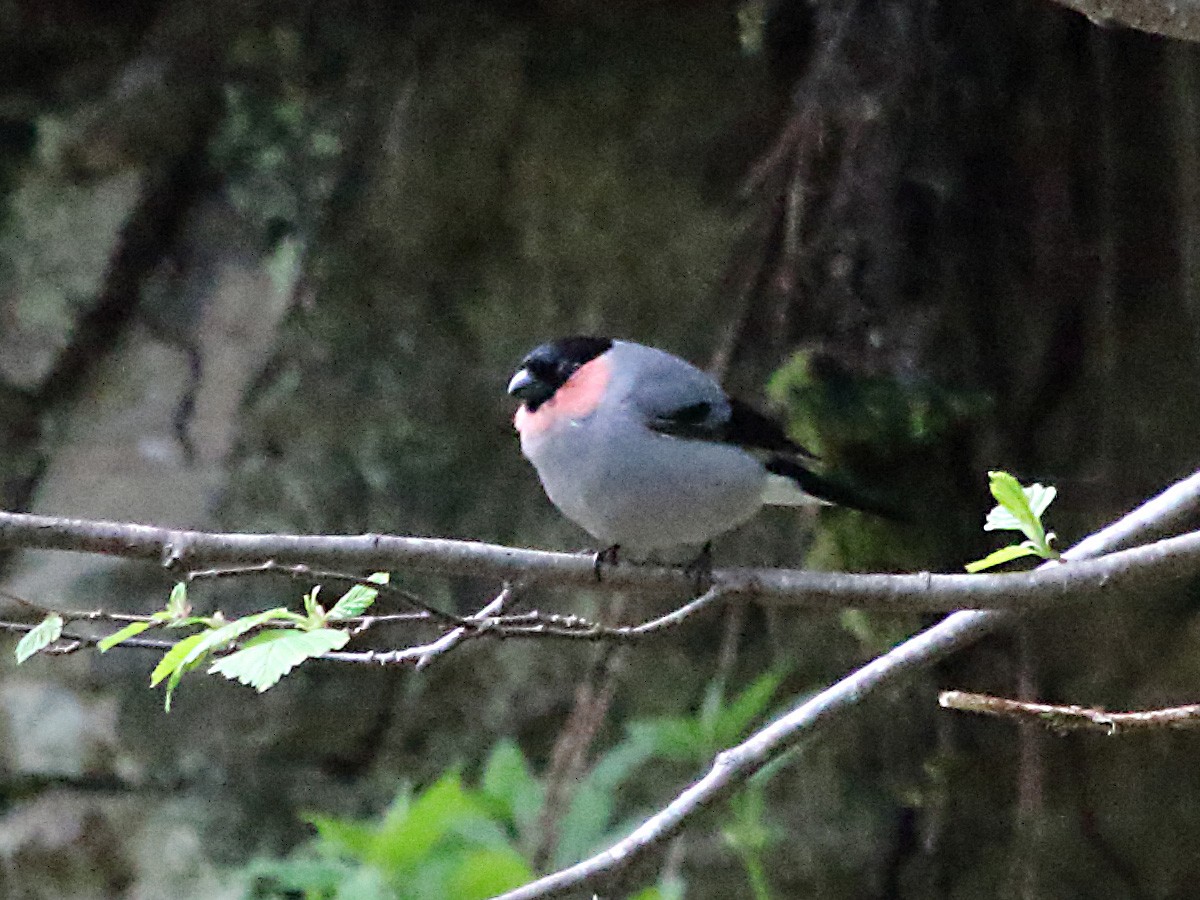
<point x="270" y="652"/>
<point x="256" y="650"/>
<point x="1018" y="509"/>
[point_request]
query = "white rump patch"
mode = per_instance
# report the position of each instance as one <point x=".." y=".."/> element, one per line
<point x="782" y="491"/>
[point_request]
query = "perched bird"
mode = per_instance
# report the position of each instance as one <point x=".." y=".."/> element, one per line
<point x="646" y="452"/>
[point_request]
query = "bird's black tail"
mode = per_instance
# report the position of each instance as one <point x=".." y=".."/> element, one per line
<point x="830" y="490"/>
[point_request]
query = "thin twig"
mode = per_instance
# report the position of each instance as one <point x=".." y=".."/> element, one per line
<point x="534" y="625"/>
<point x="305" y="572"/>
<point x="451" y="639"/>
<point x="1061" y="719"/>
<point x="90" y="615"/>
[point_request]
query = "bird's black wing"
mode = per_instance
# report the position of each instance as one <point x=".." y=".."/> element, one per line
<point x="747" y="427"/>
<point x="733" y="422"/>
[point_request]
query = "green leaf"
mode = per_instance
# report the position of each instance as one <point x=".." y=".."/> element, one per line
<point x="1008" y="493"/>
<point x="408" y="839"/>
<point x="133" y="629"/>
<point x="173" y="658"/>
<point x="1040" y="497"/>
<point x="177" y="604"/>
<point x="358" y="599"/>
<point x="1002" y="556"/>
<point x="486" y="873"/>
<point x="172" y="665"/>
<point x="509" y="783"/>
<point x="190" y="650"/>
<point x="590" y="814"/>
<point x="272" y="654"/>
<point x="735" y="719"/>
<point x="43" y="634"/>
<point x="747" y="831"/>
<point x="1020" y="508"/>
<point x="345" y="837"/>
<point x="677" y="738"/>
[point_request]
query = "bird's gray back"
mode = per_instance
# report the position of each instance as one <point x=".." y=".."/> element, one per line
<point x="655" y="384"/>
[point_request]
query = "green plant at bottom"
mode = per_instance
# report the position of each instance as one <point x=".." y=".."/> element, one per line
<point x="453" y="839"/>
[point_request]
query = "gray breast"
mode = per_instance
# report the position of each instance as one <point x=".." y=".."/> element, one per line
<point x="645" y="491"/>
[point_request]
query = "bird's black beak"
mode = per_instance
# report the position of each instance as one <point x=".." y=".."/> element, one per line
<point x="522" y="384"/>
<point x="528" y="387"/>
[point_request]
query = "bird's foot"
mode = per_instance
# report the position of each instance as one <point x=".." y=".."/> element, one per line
<point x="607" y="556"/>
<point x="700" y="570"/>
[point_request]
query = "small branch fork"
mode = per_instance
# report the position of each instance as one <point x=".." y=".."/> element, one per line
<point x="1061" y="719"/>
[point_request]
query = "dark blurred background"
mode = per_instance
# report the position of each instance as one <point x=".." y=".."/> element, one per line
<point x="267" y="266"/>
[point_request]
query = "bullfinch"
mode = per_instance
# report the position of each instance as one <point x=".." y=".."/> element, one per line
<point x="646" y="452"/>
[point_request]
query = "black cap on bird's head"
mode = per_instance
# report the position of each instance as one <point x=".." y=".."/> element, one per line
<point x="545" y="369"/>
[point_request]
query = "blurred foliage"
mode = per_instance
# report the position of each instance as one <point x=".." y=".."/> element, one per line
<point x="466" y="842"/>
<point x="895" y="441"/>
<point x="845" y="416"/>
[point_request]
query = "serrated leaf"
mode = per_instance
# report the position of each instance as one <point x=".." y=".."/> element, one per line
<point x="273" y="654"/>
<point x="173" y="658"/>
<point x="1002" y="556"/>
<point x="177" y="604"/>
<point x="358" y="599"/>
<point x="1009" y="494"/>
<point x="133" y="629"/>
<point x="1020" y="509"/>
<point x="46" y="632"/>
<point x="191" y="650"/>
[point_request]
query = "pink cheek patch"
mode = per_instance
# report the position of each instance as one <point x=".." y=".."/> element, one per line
<point x="576" y="399"/>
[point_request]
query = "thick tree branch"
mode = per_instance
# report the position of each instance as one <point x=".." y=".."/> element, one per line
<point x="1062" y="719"/>
<point x="1170" y="18"/>
<point x="1140" y="568"/>
<point x="1177" y="505"/>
